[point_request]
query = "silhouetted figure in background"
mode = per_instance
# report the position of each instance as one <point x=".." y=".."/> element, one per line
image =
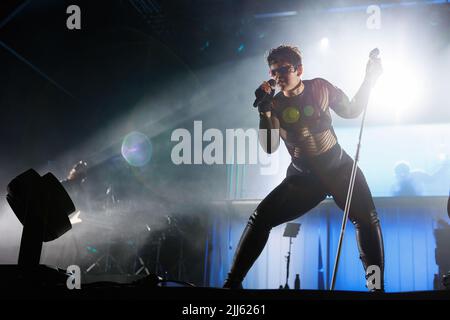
<point x="418" y="182"/>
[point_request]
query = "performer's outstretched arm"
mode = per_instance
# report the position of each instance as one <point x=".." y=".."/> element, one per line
<point x="346" y="108"/>
<point x="350" y="108"/>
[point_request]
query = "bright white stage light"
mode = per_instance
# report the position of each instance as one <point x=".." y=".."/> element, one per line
<point x="442" y="156"/>
<point x="398" y="90"/>
<point x="324" y="42"/>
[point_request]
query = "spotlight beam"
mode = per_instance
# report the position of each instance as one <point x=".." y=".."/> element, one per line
<point x="36" y="69"/>
<point x="18" y="56"/>
<point x="14" y="13"/>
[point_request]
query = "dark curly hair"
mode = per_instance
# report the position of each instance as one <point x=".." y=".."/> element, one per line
<point x="285" y="53"/>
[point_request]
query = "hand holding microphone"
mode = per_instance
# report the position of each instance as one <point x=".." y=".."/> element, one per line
<point x="374" y="68"/>
<point x="264" y="96"/>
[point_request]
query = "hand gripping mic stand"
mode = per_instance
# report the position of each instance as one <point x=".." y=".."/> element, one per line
<point x="373" y="54"/>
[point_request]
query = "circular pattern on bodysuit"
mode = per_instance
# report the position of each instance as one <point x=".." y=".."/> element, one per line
<point x="308" y="111"/>
<point x="291" y="115"/>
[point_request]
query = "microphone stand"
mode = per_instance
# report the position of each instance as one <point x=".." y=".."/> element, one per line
<point x="373" y="54"/>
<point x="288" y="259"/>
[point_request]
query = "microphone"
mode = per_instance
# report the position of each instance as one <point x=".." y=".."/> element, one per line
<point x="261" y="95"/>
<point x="373" y="68"/>
<point x="374" y="53"/>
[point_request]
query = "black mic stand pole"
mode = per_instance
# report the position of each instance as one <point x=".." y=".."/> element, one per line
<point x="373" y="54"/>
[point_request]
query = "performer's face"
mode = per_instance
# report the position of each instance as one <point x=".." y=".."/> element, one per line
<point x="286" y="76"/>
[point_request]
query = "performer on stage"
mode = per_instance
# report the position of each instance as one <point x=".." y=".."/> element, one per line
<point x="319" y="166"/>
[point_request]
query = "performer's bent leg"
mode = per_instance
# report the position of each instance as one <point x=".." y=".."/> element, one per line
<point x="364" y="217"/>
<point x="292" y="198"/>
<point x="250" y="246"/>
<point x="370" y="242"/>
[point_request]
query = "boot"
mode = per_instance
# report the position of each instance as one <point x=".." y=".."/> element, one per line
<point x="250" y="246"/>
<point x="370" y="244"/>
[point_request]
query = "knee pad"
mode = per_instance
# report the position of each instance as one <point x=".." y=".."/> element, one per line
<point x="258" y="220"/>
<point x="367" y="220"/>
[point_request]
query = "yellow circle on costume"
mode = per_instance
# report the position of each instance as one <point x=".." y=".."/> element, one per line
<point x="291" y="115"/>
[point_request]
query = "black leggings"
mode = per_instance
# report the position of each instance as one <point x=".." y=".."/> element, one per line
<point x="308" y="183"/>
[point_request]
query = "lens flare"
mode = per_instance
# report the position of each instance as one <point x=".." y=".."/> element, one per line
<point x="324" y="43"/>
<point x="136" y="149"/>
